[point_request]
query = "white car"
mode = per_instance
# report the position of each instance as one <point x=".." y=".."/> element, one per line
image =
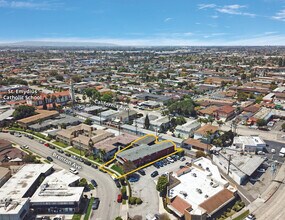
<point x="25" y="147"/>
<point x="74" y="171"/>
<point x="170" y="159"/>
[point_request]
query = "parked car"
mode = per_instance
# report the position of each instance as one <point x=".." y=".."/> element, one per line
<point x="142" y="172"/>
<point x="49" y="159"/>
<point x="95" y="203"/>
<point x="273" y="151"/>
<point x="261" y="153"/>
<point x="67" y="154"/>
<point x="60" y="151"/>
<point x="261" y="170"/>
<point x="117" y="182"/>
<point x="154" y="174"/>
<point x="182" y="158"/>
<point x="87" y="162"/>
<point x="94" y="166"/>
<point x="51" y="147"/>
<point x="46" y="144"/>
<point x="119" y="198"/>
<point x="93" y="182"/>
<point x="250" y="217"/>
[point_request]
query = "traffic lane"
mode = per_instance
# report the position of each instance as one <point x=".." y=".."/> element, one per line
<point x="106" y="190"/>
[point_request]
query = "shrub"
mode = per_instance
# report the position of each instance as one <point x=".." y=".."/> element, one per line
<point x="138" y="201"/>
<point x="132" y="200"/>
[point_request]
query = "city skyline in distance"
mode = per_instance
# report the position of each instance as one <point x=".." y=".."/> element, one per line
<point x="143" y="23"/>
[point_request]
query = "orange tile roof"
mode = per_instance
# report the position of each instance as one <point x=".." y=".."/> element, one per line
<point x="180" y="204"/>
<point x="216" y="201"/>
<point x="203" y="130"/>
<point x="197" y="143"/>
<point x="209" y="110"/>
<point x="226" y="109"/>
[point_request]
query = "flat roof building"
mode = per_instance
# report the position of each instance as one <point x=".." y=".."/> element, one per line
<point x="199" y="191"/>
<point x="144" y="153"/>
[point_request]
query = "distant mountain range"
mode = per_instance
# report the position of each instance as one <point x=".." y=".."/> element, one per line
<point x="56" y="44"/>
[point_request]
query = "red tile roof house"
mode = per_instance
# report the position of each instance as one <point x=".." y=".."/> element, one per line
<point x="225" y="113"/>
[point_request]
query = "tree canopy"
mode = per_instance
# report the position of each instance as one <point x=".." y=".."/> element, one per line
<point x="185" y="107"/>
<point x="23" y="111"/>
<point x="162" y="183"/>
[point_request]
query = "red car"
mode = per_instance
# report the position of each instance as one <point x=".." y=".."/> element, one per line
<point x="119" y="199"/>
<point x="46" y="144"/>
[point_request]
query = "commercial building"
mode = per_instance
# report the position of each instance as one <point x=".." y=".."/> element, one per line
<point x="5" y="174"/>
<point x="239" y="166"/>
<point x="57" y="194"/>
<point x="198" y="191"/>
<point x="249" y="143"/>
<point x="16" y="192"/>
<point x="144" y="153"/>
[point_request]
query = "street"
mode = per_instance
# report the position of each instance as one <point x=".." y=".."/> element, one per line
<point x="106" y="190"/>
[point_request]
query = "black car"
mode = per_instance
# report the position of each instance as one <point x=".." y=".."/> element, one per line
<point x="60" y="151"/>
<point x="49" y="159"/>
<point x="117" y="182"/>
<point x="94" y="166"/>
<point x="51" y="146"/>
<point x="87" y="162"/>
<point x="68" y="154"/>
<point x="142" y="172"/>
<point x="95" y="203"/>
<point x="93" y="182"/>
<point x="80" y="159"/>
<point x="154" y="174"/>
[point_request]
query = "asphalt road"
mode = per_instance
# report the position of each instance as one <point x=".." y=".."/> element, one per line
<point x="106" y="190"/>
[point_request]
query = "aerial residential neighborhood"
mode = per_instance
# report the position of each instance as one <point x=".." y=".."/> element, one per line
<point x="142" y="110"/>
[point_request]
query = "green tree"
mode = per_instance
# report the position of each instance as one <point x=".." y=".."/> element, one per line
<point x="146" y="122"/>
<point x="162" y="183"/>
<point x="261" y="122"/>
<point x="118" y="218"/>
<point x="107" y="98"/>
<point x="82" y="182"/>
<point x="200" y="153"/>
<point x="88" y="121"/>
<point x="23" y="111"/>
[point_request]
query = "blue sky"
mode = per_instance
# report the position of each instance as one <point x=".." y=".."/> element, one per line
<point x="145" y="22"/>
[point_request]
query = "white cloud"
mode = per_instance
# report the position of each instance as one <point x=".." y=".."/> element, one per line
<point x="204" y="6"/>
<point x="279" y="15"/>
<point x="168" y="19"/>
<point x="203" y="40"/>
<point x="214" y="16"/>
<point x="43" y="5"/>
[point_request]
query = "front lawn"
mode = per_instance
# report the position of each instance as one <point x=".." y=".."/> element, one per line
<point x="60" y="144"/>
<point x="77" y="151"/>
<point x="118" y="169"/>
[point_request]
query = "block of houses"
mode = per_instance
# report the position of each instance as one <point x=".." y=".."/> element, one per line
<point x="187" y="130"/>
<point x="225" y="113"/>
<point x="112" y="144"/>
<point x="82" y="136"/>
<point x="206" y="133"/>
<point x="195" y="144"/>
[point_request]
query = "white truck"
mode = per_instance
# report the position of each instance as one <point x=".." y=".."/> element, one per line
<point x="282" y="152"/>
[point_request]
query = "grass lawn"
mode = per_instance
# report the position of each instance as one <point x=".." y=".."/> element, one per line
<point x="242" y="216"/>
<point x="118" y="169"/>
<point x="75" y="150"/>
<point x="76" y="217"/>
<point x="86" y="217"/>
<point x="60" y="144"/>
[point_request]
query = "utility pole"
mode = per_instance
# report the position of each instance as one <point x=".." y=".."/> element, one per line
<point x="229" y="164"/>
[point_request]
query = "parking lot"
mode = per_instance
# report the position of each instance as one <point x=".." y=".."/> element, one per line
<point x="145" y="188"/>
<point x="277" y="147"/>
